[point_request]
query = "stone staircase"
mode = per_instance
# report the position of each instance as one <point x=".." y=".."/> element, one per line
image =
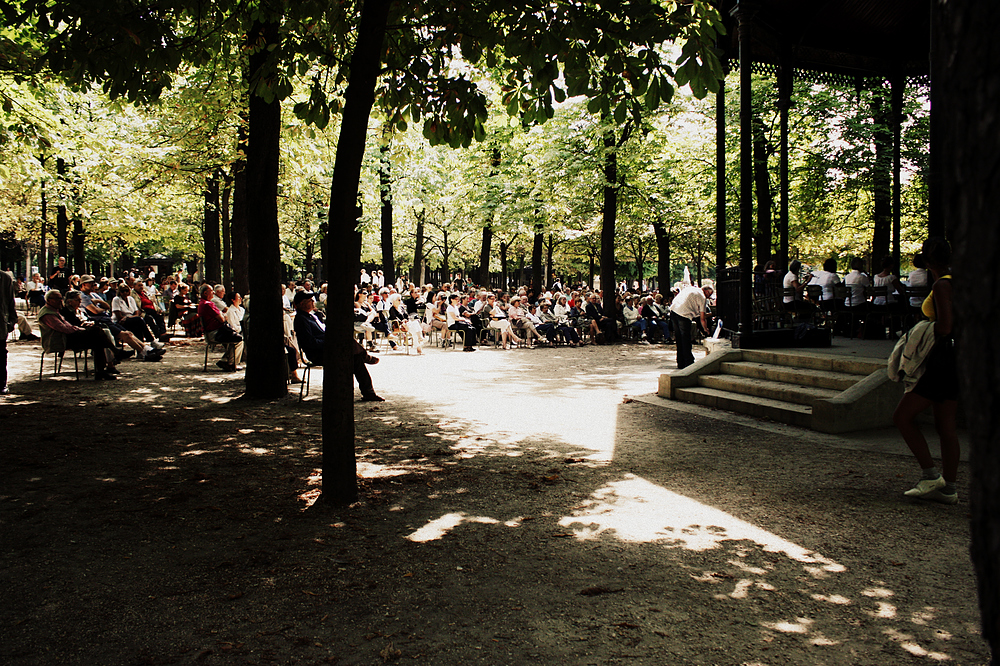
<point x="823" y="392"/>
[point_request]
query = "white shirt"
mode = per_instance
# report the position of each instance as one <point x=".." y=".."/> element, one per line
<point x="919" y="277"/>
<point x="826" y="280"/>
<point x="234" y="317"/>
<point x="126" y="306"/>
<point x="786" y="283"/>
<point x="689" y="303"/>
<point x="890" y="290"/>
<point x="857" y="281"/>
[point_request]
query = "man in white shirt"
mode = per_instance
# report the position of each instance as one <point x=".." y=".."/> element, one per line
<point x="688" y="305"/>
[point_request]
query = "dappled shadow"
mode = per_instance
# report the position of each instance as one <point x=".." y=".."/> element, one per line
<point x="508" y="514"/>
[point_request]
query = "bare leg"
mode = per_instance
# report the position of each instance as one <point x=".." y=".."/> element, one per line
<point x="944" y="422"/>
<point x="905" y="418"/>
<point x="129" y="339"/>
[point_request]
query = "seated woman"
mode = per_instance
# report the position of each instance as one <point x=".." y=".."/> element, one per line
<point x="187" y="312"/>
<point x="457" y="322"/>
<point x="88" y="335"/>
<point x="365" y="318"/>
<point x="217" y="331"/>
<point x="893" y="303"/>
<point x="128" y="315"/>
<point x="826" y="279"/>
<point x="520" y="322"/>
<point x="559" y="325"/>
<point x="499" y="321"/>
<point x="234" y="317"/>
<point x="793" y="301"/>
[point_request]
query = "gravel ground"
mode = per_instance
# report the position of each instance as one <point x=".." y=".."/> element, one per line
<point x="517" y="507"/>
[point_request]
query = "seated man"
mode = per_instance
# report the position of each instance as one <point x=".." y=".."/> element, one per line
<point x="89" y="336"/>
<point x="559" y="325"/>
<point x="311" y="335"/>
<point x="630" y="313"/>
<point x="599" y="322"/>
<point x="217" y="331"/>
<point x="655" y="322"/>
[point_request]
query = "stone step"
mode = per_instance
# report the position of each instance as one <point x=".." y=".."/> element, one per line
<point x="763" y="388"/>
<point x="846" y="364"/>
<point x="775" y="410"/>
<point x="800" y="376"/>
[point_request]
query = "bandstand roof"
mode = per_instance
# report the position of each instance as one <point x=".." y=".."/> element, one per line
<point x="836" y="40"/>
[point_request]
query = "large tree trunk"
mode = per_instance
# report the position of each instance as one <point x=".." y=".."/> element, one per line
<point x="662" y="256"/>
<point x="484" y="256"/>
<point x="417" y="275"/>
<point x="965" y="54"/>
<point x="536" y="261"/>
<point x="241" y="256"/>
<point x="385" y="192"/>
<point x="79" y="251"/>
<point x="213" y="265"/>
<point x="340" y="484"/>
<point x="549" y="247"/>
<point x="227" y="245"/>
<point x="765" y="199"/>
<point x="881" y="183"/>
<point x="62" y="221"/>
<point x="504" y="280"/>
<point x="267" y="371"/>
<point x="608" y="222"/>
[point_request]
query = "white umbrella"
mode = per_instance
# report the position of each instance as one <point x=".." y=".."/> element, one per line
<point x="687" y="276"/>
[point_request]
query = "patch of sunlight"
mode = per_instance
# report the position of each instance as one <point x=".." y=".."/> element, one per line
<point x="220" y="419"/>
<point x="640" y="511"/>
<point x="832" y="599"/>
<point x="34" y="479"/>
<point x="877" y="592"/>
<point x="437" y="528"/>
<point x="373" y="471"/>
<point x="109" y="479"/>
<point x="820" y="639"/>
<point x="906" y="642"/>
<point x="758" y="571"/>
<point x="922" y="617"/>
<point x="194" y="452"/>
<point x="255" y="450"/>
<point x="800" y="626"/>
<point x="884" y="610"/>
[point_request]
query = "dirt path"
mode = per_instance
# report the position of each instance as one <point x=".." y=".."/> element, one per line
<point x="516" y="508"/>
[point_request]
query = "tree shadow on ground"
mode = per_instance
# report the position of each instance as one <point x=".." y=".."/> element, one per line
<point x="179" y="527"/>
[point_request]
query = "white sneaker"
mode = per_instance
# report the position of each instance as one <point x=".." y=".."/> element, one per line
<point x="157" y="345"/>
<point x="942" y="497"/>
<point x="925" y="487"/>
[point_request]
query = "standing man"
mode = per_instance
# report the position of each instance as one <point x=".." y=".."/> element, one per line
<point x="59" y="277"/>
<point x="8" y="319"/>
<point x="688" y="305"/>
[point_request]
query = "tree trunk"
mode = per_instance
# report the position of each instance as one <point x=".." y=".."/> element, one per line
<point x="79" y="252"/>
<point x="484" y="256"/>
<point x="238" y="230"/>
<point x="881" y="183"/>
<point x="765" y="199"/>
<point x="663" y="282"/>
<point x="62" y="221"/>
<point x="591" y="271"/>
<point x="548" y="263"/>
<point x="213" y="272"/>
<point x="385" y="193"/>
<point x="227" y="245"/>
<point x="503" y="265"/>
<point x="340" y="484"/>
<point x="418" y="252"/>
<point x="267" y="371"/>
<point x="609" y="221"/>
<point x="536" y="261"/>
<point x="964" y="56"/>
<point x="43" y="264"/>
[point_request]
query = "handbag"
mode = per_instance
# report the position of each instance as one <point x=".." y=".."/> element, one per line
<point x="226" y="334"/>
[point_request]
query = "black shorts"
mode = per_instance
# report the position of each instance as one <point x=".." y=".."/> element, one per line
<point x="940" y="379"/>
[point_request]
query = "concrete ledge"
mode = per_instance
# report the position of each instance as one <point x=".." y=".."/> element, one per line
<point x="687" y="377"/>
<point x="866" y="405"/>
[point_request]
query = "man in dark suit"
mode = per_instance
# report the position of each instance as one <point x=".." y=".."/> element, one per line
<point x="311" y="334"/>
<point x="8" y="320"/>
